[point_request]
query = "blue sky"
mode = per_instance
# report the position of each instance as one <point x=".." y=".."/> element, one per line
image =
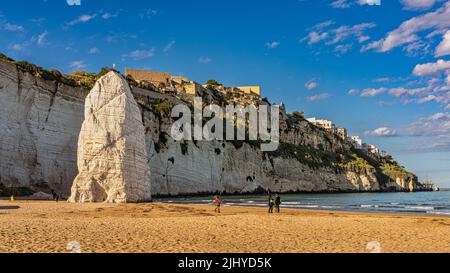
<point x="382" y="71"/>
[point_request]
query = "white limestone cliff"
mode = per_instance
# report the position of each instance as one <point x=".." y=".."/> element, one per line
<point x="40" y="121"/>
<point x="180" y="168"/>
<point x="112" y="156"/>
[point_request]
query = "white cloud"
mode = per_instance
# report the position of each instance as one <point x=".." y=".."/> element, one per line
<point x="341" y="38"/>
<point x="344" y="4"/>
<point x="431" y="68"/>
<point x="41" y="38"/>
<point x="82" y="19"/>
<point x="343" y="48"/>
<point x="409" y="30"/>
<point x="12" y="27"/>
<point x="370" y="2"/>
<point x="439" y="116"/>
<point x="340" y="4"/>
<point x="89" y="17"/>
<point x="352" y="92"/>
<point x="418" y="4"/>
<point x="119" y="37"/>
<point x="363" y="38"/>
<point x="315" y="37"/>
<point x="204" y="60"/>
<point x="169" y="46"/>
<point x="436" y="125"/>
<point x="343" y="32"/>
<point x="382" y="79"/>
<point x="272" y="45"/>
<point x="311" y="84"/>
<point x="148" y="13"/>
<point x="398" y="91"/>
<point x="108" y="15"/>
<point x="73" y="2"/>
<point x="323" y="25"/>
<point x="140" y="54"/>
<point x="432" y="133"/>
<point x="93" y="50"/>
<point x="77" y="65"/>
<point x="37" y="21"/>
<point x="435" y="89"/>
<point x="443" y="48"/>
<point x="317" y="97"/>
<point x="372" y="92"/>
<point x="426" y="99"/>
<point x="382" y="132"/>
<point x="417" y="48"/>
<point x="17" y="47"/>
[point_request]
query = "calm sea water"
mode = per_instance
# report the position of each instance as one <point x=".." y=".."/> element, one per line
<point x="432" y="203"/>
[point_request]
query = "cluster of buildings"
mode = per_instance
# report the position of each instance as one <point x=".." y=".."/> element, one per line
<point x="359" y="144"/>
<point x="356" y="141"/>
<point x="164" y="81"/>
<point x="329" y="127"/>
<point x="167" y="83"/>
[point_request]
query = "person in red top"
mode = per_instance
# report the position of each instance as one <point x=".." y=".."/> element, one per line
<point x="217" y="202"/>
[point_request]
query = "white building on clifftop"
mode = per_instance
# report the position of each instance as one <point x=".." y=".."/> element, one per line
<point x="323" y="123"/>
<point x="356" y="141"/>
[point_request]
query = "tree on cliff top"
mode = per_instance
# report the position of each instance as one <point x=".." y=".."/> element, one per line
<point x="213" y="83"/>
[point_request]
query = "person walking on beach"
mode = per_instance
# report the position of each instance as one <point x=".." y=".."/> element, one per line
<point x="55" y="196"/>
<point x="277" y="203"/>
<point x="217" y="202"/>
<point x="271" y="204"/>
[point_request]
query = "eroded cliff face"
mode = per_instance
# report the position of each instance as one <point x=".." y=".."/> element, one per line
<point x="190" y="167"/>
<point x="41" y="120"/>
<point x="39" y="126"/>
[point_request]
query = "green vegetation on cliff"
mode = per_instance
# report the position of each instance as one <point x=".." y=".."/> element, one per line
<point x="315" y="158"/>
<point x="212" y="83"/>
<point x="385" y="168"/>
<point x="391" y="168"/>
<point x="75" y="79"/>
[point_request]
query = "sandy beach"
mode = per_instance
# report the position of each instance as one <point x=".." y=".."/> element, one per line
<point x="41" y="226"/>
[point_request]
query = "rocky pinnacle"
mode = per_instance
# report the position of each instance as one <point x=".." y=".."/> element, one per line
<point x="112" y="157"/>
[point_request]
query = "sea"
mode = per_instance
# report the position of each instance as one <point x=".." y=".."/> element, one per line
<point x="425" y="203"/>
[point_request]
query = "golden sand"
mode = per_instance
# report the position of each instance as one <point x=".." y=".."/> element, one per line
<point x="155" y="227"/>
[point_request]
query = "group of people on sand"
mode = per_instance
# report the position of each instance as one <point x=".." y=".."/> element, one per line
<point x="274" y="203"/>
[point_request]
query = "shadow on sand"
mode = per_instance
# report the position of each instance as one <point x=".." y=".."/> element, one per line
<point x="9" y="207"/>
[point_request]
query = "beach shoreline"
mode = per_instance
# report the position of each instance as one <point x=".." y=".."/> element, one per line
<point x="283" y="207"/>
<point x="417" y="203"/>
<point x="46" y="226"/>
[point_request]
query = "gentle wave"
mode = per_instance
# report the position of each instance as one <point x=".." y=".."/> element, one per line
<point x="439" y="212"/>
<point x="369" y="206"/>
<point x="419" y="208"/>
<point x="436" y="203"/>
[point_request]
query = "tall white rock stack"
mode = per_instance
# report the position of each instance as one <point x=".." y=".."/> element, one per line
<point x="112" y="157"/>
